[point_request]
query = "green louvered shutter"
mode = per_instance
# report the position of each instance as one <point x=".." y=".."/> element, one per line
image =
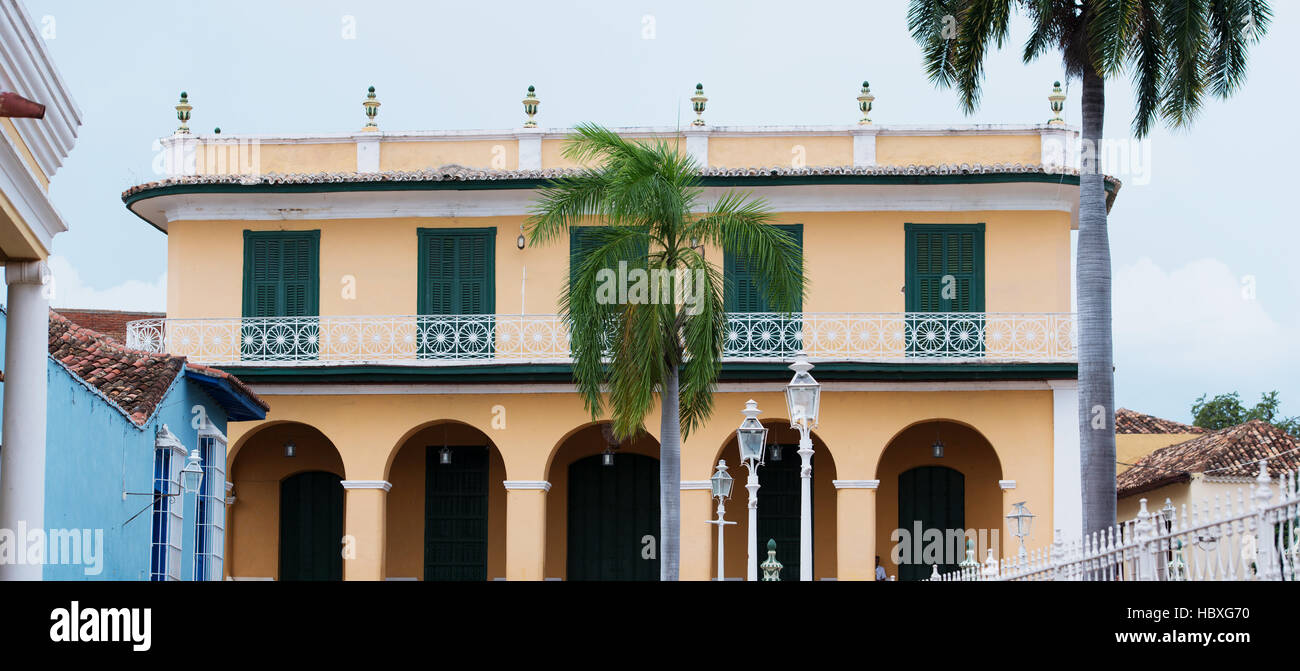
<point x="457" y="271"/>
<point x="281" y="279"/>
<point x="580" y="243"/>
<point x="742" y="292"/>
<point x="936" y="251"/>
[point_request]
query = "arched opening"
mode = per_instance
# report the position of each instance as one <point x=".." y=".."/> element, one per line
<point x="928" y="506"/>
<point x="779" y="505"/>
<point x="446" y="512"/>
<point x="266" y="485"/>
<point x="603" y="507"/>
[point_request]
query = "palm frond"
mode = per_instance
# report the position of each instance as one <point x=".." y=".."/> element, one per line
<point x="1148" y="56"/>
<point x="1183" y="83"/>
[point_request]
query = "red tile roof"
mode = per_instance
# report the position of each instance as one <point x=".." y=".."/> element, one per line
<point x="1231" y="452"/>
<point x="1130" y="422"/>
<point x="109" y="322"/>
<point x="136" y="381"/>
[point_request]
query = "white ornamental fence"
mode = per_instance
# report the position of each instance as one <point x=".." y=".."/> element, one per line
<point x="1254" y="536"/>
<point x="448" y="339"/>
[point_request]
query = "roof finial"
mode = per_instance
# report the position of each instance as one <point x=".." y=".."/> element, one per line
<point x="372" y="109"/>
<point x="1058" y="104"/>
<point x="183" y="114"/>
<point x="865" y="102"/>
<point x="697" y="103"/>
<point x="530" y="107"/>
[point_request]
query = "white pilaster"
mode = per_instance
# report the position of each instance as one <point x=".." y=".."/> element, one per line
<point x="22" y="460"/>
<point x="1055" y="151"/>
<point x="530" y="149"/>
<point x="1067" y="491"/>
<point x="368" y="152"/>
<point x="180" y="155"/>
<point x="864" y="147"/>
<point x="697" y="144"/>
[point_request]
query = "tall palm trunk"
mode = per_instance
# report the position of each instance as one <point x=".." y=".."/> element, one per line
<point x="1096" y="352"/>
<point x="670" y="476"/>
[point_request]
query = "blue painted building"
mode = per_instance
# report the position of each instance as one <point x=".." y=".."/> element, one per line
<point x="122" y="425"/>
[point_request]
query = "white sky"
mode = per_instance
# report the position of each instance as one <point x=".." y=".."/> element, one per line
<point x="1210" y="217"/>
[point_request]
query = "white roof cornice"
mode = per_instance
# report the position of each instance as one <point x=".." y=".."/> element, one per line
<point x="27" y="69"/>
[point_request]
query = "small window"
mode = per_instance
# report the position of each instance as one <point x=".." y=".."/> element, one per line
<point x="210" y="513"/>
<point x="165" y="550"/>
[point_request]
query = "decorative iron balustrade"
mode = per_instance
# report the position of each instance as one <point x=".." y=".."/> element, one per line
<point x="430" y="340"/>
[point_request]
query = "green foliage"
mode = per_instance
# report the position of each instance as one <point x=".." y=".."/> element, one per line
<point x="1175" y="51"/>
<point x="1226" y="410"/>
<point x="645" y="200"/>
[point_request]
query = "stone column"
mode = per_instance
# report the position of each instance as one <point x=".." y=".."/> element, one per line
<point x="22" y="459"/>
<point x="526" y="529"/>
<point x="365" y="522"/>
<point x="855" y="521"/>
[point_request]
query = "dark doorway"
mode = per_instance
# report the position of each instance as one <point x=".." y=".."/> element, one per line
<point x="612" y="509"/>
<point x="778" y="509"/>
<point x="311" y="527"/>
<point x="935" y="496"/>
<point x="456" y="514"/>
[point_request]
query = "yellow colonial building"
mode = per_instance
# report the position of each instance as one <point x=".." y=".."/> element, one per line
<point x="375" y="288"/>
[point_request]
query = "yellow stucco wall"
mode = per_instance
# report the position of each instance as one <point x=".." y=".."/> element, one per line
<point x="854" y="261"/>
<point x="230" y="155"/>
<point x="957" y="149"/>
<point x="785" y="151"/>
<point x="7" y="125"/>
<point x="1129" y="447"/>
<point x="369" y="432"/>
<point x="481" y="154"/>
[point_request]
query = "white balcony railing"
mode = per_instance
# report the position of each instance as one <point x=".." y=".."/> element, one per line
<point x="438" y="340"/>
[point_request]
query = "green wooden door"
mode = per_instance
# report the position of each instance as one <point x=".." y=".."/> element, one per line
<point x="457" y="278"/>
<point x="281" y="281"/>
<point x="935" y="496"/>
<point x="742" y="293"/>
<point x="779" y="500"/>
<point x="311" y="527"/>
<point x="456" y="514"/>
<point x="945" y="274"/>
<point x="612" y="509"/>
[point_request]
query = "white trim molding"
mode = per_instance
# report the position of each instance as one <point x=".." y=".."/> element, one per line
<point x="1007" y="484"/>
<point x="27" y="69"/>
<point x="696" y="484"/>
<point x="527" y="485"/>
<point x="856" y="484"/>
<point x="367" y="484"/>
<point x="1067" y="490"/>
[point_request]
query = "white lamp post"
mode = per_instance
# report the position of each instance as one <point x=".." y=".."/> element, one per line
<point x="721" y="484"/>
<point x="803" y="396"/>
<point x="751" y="436"/>
<point x="1023" y="522"/>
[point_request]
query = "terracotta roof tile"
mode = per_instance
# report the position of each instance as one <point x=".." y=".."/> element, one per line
<point x="457" y="173"/>
<point x="136" y="381"/>
<point x="1231" y="452"/>
<point x="1130" y="422"/>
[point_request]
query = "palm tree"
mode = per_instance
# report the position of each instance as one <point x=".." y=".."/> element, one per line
<point x="643" y="198"/>
<point x="1176" y="52"/>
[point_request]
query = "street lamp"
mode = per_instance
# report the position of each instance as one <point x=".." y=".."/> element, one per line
<point x="803" y="396"/>
<point x="751" y="436"/>
<point x="192" y="474"/>
<point x="1023" y="522"/>
<point x="721" y="484"/>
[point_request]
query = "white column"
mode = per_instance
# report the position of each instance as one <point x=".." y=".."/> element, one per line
<point x="22" y="459"/>
<point x="864" y="147"/>
<point x="1067" y="490"/>
<point x="697" y="145"/>
<point x="368" y="152"/>
<point x="805" y="504"/>
<point x="530" y="148"/>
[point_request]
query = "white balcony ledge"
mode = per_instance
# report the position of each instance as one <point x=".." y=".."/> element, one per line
<point x="448" y="340"/>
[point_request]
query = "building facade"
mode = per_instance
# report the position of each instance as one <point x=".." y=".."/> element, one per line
<point x="375" y="288"/>
<point x="38" y="127"/>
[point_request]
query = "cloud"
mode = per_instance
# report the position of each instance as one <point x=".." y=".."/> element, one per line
<point x="69" y="291"/>
<point x="1200" y="314"/>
